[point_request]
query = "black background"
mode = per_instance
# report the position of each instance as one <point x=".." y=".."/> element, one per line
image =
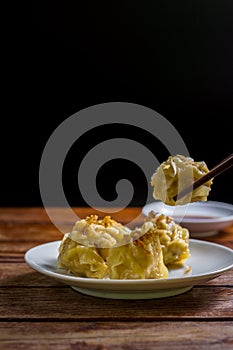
<point x="175" y="57"/>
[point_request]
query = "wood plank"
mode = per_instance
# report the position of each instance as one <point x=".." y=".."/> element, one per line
<point x="30" y="232"/>
<point x="18" y="247"/>
<point x="39" y="215"/>
<point x="226" y="279"/>
<point x="64" y="303"/>
<point x="15" y="251"/>
<point x="117" y="335"/>
<point x="18" y="274"/>
<point x="6" y="257"/>
<point x="22" y="214"/>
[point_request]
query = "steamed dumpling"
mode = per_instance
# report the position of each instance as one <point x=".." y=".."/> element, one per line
<point x="93" y="249"/>
<point x="176" y="174"/>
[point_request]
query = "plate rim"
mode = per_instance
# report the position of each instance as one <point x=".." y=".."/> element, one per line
<point x="192" y="279"/>
<point x="220" y="219"/>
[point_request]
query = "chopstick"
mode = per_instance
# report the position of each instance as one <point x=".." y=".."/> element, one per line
<point x="217" y="170"/>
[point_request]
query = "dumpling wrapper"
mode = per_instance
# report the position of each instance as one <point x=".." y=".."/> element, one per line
<point x="146" y="252"/>
<point x="140" y="259"/>
<point x="176" y="174"/>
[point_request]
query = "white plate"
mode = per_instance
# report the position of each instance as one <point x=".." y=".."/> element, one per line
<point x="201" y="218"/>
<point x="208" y="260"/>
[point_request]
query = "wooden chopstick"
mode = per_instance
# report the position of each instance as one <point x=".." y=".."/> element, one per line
<point x="217" y="170"/>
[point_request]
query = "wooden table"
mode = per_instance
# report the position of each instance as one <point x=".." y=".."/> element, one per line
<point x="37" y="312"/>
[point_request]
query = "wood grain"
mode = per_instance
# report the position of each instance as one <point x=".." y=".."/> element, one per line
<point x="38" y="312"/>
<point x="57" y="302"/>
<point x="39" y="215"/>
<point x="117" y="335"/>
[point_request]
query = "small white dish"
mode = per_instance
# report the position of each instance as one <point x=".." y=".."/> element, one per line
<point x="207" y="261"/>
<point x="203" y="219"/>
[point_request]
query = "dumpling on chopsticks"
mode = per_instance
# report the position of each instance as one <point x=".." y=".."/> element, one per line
<point x="174" y="175"/>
